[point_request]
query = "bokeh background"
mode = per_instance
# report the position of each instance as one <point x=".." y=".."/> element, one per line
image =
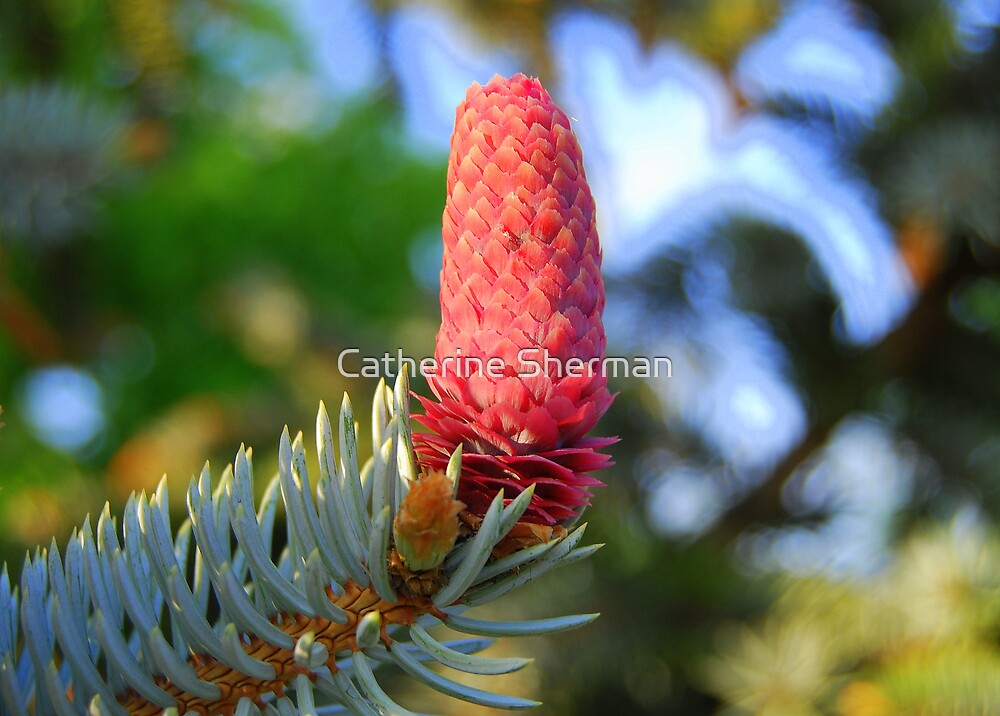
<point x="202" y="202"/>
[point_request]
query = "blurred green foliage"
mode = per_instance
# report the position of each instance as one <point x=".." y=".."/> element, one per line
<point x="920" y="638"/>
<point x="208" y="277"/>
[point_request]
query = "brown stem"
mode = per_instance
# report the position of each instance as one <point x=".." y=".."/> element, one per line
<point x="26" y="326"/>
<point x="235" y="685"/>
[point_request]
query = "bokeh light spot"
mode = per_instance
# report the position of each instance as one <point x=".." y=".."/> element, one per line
<point x="64" y="406"/>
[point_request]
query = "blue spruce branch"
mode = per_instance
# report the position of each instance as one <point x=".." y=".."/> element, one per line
<point x="138" y="619"/>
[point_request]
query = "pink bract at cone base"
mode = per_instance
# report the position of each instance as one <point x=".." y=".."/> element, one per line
<point x="521" y="285"/>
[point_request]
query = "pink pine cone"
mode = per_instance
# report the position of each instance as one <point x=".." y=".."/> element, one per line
<point x="520" y="284"/>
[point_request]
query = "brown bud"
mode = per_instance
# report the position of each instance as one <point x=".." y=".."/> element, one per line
<point x="426" y="524"/>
